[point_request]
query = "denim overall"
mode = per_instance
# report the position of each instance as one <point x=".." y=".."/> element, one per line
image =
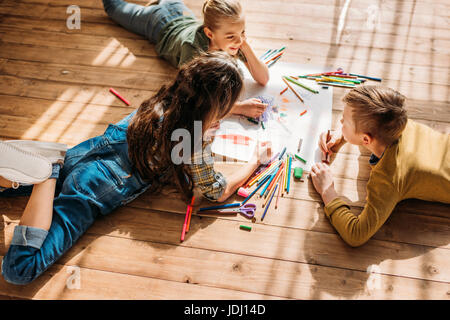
<point x="146" y="21"/>
<point x="96" y="179"/>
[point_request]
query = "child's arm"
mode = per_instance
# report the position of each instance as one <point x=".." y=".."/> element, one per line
<point x="333" y="144"/>
<point x="258" y="69"/>
<point x="215" y="186"/>
<point x="355" y="230"/>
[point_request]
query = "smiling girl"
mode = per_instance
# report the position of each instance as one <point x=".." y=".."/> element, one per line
<point x="179" y="37"/>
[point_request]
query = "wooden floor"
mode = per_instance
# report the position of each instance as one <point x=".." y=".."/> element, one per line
<point x="54" y="86"/>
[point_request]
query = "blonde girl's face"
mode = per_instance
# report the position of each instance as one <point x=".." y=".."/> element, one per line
<point x="229" y="35"/>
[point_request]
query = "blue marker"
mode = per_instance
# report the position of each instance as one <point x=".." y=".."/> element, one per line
<point x="282" y="153"/>
<point x="231" y="205"/>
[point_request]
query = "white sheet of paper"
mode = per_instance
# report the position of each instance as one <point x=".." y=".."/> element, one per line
<point x="282" y="131"/>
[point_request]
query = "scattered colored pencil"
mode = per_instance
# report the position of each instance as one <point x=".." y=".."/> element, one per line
<point x="301" y="85"/>
<point x="273" y="62"/>
<point x="270" y="201"/>
<point x="183" y="232"/>
<point x="272" y="184"/>
<point x="280" y="179"/>
<point x="253" y="192"/>
<point x="284" y="90"/>
<point x="299" y="144"/>
<point x="223" y="206"/>
<point x="272" y="176"/>
<point x="190" y="213"/>
<point x="335" y="84"/>
<point x="119" y="96"/>
<point x="365" y="77"/>
<point x="300" y="158"/>
<point x="289" y="174"/>
<point x="282" y="153"/>
<point x="292" y="89"/>
<point x="303" y="113"/>
<point x="274" y="57"/>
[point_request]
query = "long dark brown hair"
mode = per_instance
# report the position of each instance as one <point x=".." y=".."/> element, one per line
<point x="204" y="89"/>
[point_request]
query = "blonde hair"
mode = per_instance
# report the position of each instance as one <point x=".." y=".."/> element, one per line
<point x="215" y="10"/>
<point x="378" y="111"/>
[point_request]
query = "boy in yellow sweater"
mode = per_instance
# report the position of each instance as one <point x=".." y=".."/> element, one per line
<point x="409" y="160"/>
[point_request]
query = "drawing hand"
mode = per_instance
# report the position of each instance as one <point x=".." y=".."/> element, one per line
<point x="253" y="108"/>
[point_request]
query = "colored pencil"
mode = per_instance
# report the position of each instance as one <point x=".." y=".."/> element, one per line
<point x="253" y="192"/>
<point x="289" y="175"/>
<point x="301" y="85"/>
<point x="265" y="54"/>
<point x="282" y="153"/>
<point x="183" y="232"/>
<point x="273" y="62"/>
<point x="274" y="57"/>
<point x="223" y="206"/>
<point x="281" y="185"/>
<point x="190" y="213"/>
<point x="272" y="176"/>
<point x="335" y="84"/>
<point x="286" y="174"/>
<point x="265" y="174"/>
<point x="331" y="79"/>
<point x="295" y="92"/>
<point x="366" y="77"/>
<point x="344" y="79"/>
<point x="268" y="205"/>
<point x="303" y="113"/>
<point x="272" y="184"/>
<point x="300" y="158"/>
<point x="299" y="144"/>
<point x="268" y="173"/>
<point x="119" y="96"/>
<point x="280" y="179"/>
<point x="263" y="171"/>
<point x="284" y="90"/>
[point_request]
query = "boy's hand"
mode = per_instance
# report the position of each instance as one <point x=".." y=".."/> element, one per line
<point x="253" y="108"/>
<point x="327" y="146"/>
<point x="322" y="179"/>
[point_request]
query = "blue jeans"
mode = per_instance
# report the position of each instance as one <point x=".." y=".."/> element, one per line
<point x="96" y="178"/>
<point x="146" y="21"/>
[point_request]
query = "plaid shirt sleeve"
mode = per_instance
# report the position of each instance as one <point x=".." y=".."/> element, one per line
<point x="211" y="183"/>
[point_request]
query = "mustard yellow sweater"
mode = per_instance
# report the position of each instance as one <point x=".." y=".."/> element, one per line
<point x="416" y="166"/>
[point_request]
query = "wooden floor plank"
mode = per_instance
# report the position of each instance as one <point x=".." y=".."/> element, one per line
<point x="215" y="269"/>
<point x="57" y="284"/>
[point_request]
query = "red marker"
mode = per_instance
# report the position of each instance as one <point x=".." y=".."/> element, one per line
<point x="118" y="96"/>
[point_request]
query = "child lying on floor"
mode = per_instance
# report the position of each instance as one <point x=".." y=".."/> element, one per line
<point x="409" y="160"/>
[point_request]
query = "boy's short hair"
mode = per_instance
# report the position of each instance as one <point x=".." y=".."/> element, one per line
<point x="378" y="111"/>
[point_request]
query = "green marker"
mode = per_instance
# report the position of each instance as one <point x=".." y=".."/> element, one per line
<point x="262" y="124"/>
<point x="300" y="84"/>
<point x="253" y="120"/>
<point x="245" y="227"/>
<point x="300" y="158"/>
<point x="298" y="173"/>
